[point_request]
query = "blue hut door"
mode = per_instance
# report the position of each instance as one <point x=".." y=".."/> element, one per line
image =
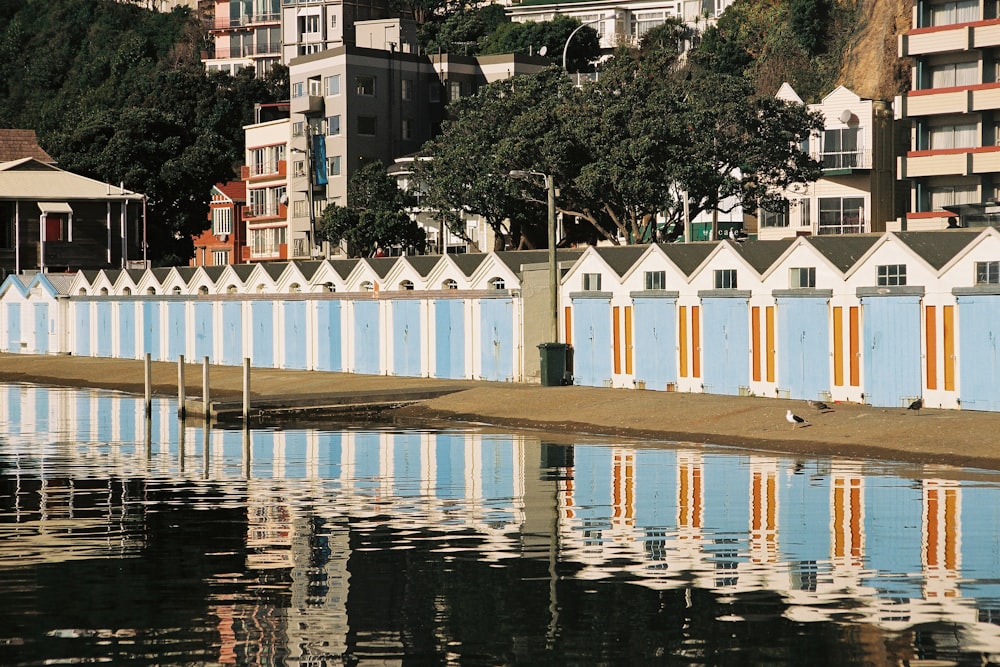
<point x="804" y="346"/>
<point x="891" y="350"/>
<point x="328" y="335"/>
<point x="979" y="342"/>
<point x="592" y="341"/>
<point x="295" y="334"/>
<point x="177" y="328"/>
<point x="203" y="330"/>
<point x="41" y="328"/>
<point x="103" y="338"/>
<point x="449" y="338"/>
<point x="126" y="329"/>
<point x="655" y="341"/>
<point x="497" y="336"/>
<point x="406" y="337"/>
<point x="151" y="328"/>
<point x="232" y="333"/>
<point x="14" y="326"/>
<point x="82" y="312"/>
<point x="366" y="337"/>
<point x="726" y="347"/>
<point x="262" y="316"/>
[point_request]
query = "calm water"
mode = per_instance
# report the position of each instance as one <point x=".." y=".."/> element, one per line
<point x="127" y="542"/>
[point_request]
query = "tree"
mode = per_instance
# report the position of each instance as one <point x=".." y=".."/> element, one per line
<point x="461" y="32"/>
<point x="530" y="37"/>
<point x="374" y="218"/>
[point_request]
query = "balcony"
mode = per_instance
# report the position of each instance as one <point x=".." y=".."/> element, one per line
<point x="955" y="100"/>
<point x="846" y="162"/>
<point x="264" y="170"/>
<point x="950" y="162"/>
<point x="223" y="24"/>
<point x="947" y="38"/>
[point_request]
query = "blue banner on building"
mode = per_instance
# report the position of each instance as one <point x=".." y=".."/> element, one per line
<point x="319" y="160"/>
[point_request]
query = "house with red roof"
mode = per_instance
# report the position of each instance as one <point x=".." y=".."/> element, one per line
<point x="224" y="239"/>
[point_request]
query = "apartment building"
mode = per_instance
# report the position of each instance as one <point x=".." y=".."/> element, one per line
<point x="265" y="173"/>
<point x="223" y="242"/>
<point x="856" y="192"/>
<point x="620" y="24"/>
<point x="953" y="107"/>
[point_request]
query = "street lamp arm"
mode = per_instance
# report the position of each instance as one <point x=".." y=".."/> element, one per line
<point x="570" y="38"/>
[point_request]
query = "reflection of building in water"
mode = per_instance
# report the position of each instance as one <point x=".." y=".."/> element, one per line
<point x="832" y="537"/>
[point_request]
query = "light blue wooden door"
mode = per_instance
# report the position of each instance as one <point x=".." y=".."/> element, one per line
<point x="232" y="333"/>
<point x="328" y="338"/>
<point x="151" y="328"/>
<point x="82" y="333"/>
<point x="126" y="329"/>
<point x="891" y="350"/>
<point x="449" y="338"/>
<point x="14" y="327"/>
<point x="102" y="325"/>
<point x="203" y="330"/>
<point x="803" y="346"/>
<point x="496" y="340"/>
<point x="262" y="321"/>
<point x="295" y="334"/>
<point x="726" y="346"/>
<point x="41" y="312"/>
<point x="979" y="351"/>
<point x="366" y="337"/>
<point x="655" y="332"/>
<point x="406" y="338"/>
<point x="176" y="330"/>
<point x="592" y="349"/>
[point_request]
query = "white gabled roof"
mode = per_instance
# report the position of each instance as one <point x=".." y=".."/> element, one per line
<point x="32" y="180"/>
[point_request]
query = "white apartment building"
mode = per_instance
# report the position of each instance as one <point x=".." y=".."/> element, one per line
<point x="953" y="107"/>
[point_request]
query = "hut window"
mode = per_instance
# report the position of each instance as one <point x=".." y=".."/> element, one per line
<point x="260" y="288"/>
<point x="803" y="276"/>
<point x="988" y="273"/>
<point x="725" y="279"/>
<point x="451" y="283"/>
<point x="329" y="287"/>
<point x="497" y="283"/>
<point x="82" y="292"/>
<point x="367" y="286"/>
<point x="104" y="291"/>
<point x="406" y="285"/>
<point x="656" y="279"/>
<point x="592" y="282"/>
<point x="202" y="290"/>
<point x="150" y="290"/>
<point x="126" y="291"/>
<point x="889" y="275"/>
<point x="231" y="289"/>
<point x="176" y="290"/>
<point x="294" y="288"/>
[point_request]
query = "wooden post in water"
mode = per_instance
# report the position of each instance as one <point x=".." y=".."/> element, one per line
<point x="180" y="387"/>
<point x="148" y="384"/>
<point x="204" y="391"/>
<point x="246" y="392"/>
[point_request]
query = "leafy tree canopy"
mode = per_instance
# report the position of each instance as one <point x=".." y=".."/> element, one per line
<point x="531" y="37"/>
<point x="461" y="31"/>
<point x="374" y="218"/>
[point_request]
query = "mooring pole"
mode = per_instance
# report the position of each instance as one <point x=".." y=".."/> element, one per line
<point x="204" y="391"/>
<point x="246" y="392"/>
<point x="180" y="387"/>
<point x="148" y="384"/>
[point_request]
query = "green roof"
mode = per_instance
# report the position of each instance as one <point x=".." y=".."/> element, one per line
<point x="843" y="251"/>
<point x="621" y="258"/>
<point x="688" y="256"/>
<point x="938" y="248"/>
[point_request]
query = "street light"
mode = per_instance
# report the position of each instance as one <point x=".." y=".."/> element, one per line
<point x="550" y="187"/>
<point x="568" y="39"/>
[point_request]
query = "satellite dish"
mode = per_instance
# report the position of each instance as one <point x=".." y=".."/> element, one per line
<point x="283" y="200"/>
<point x="542" y="51"/>
<point x="223" y="237"/>
<point x="846" y="116"/>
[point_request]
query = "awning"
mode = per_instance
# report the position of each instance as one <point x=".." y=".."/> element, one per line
<point x="54" y="207"/>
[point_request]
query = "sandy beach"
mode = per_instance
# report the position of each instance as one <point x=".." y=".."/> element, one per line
<point x="942" y="437"/>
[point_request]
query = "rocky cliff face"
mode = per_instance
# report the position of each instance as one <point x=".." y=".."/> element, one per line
<point x="872" y="67"/>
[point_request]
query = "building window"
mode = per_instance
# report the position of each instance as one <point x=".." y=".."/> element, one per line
<point x="299" y="168"/>
<point x="841" y="215"/>
<point x="454" y="90"/>
<point x="450" y="283"/>
<point x="841" y="148"/>
<point x="266" y="242"/>
<point x="951" y="75"/>
<point x="497" y="283"/>
<point x="434" y="92"/>
<point x="333" y="126"/>
<point x="950" y="195"/>
<point x="592" y="282"/>
<point x="365" y="84"/>
<point x="952" y="12"/>
<point x="367" y="286"/>
<point x="220" y="257"/>
<point x="655" y="279"/>
<point x="802" y="277"/>
<point x="889" y="275"/>
<point x="331" y="85"/>
<point x="334" y="166"/>
<point x="959" y="135"/>
<point x="299" y="89"/>
<point x="406" y="285"/>
<point x="222" y="221"/>
<point x="367" y="125"/>
<point x="988" y="273"/>
<point x="406" y="89"/>
<point x="314" y="86"/>
<point x="725" y="279"/>
<point x="406" y="129"/>
<point x="300" y="208"/>
<point x="297" y="128"/>
<point x="774" y="218"/>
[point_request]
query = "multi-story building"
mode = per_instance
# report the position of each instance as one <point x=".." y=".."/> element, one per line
<point x="246" y="34"/>
<point x="266" y="175"/>
<point x="856" y="192"/>
<point x="223" y="241"/>
<point x="953" y="107"/>
<point x="310" y="26"/>
<point x="616" y="23"/>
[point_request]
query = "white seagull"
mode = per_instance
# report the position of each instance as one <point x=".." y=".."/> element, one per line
<point x="795" y="420"/>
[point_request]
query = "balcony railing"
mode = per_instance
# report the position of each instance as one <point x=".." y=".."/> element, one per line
<point x="247" y="51"/>
<point x="228" y="23"/>
<point x="861" y="159"/>
<point x="848" y="224"/>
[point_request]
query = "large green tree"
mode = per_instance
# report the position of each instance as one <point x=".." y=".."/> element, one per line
<point x="375" y="216"/>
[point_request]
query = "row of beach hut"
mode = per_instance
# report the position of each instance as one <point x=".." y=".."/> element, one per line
<point x="876" y="319"/>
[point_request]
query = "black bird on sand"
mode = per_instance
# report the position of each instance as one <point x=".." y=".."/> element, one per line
<point x="916" y="405"/>
<point x="794" y="419"/>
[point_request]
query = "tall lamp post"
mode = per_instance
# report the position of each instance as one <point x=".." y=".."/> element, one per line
<point x="570" y="38"/>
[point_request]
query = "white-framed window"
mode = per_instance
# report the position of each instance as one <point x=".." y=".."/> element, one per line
<point x="954" y="11"/>
<point x="406" y="285"/>
<point x="220" y="257"/>
<point x="988" y="273"/>
<point x="367" y="286"/>
<point x="299" y="168"/>
<point x="646" y="21"/>
<point x="299" y="89"/>
<point x="266" y="242"/>
<point x="333" y="126"/>
<point x="774" y="218"/>
<point x="450" y="283"/>
<point x="950" y="75"/>
<point x="367" y="126"/>
<point x="725" y="279"/>
<point x="841" y="215"/>
<point x="300" y="208"/>
<point x="365" y="85"/>
<point x="497" y="283"/>
<point x="333" y="166"/>
<point x="455" y="90"/>
<point x="297" y="128"/>
<point x="842" y="148"/>
<point x="591" y="282"/>
<point x="655" y="279"/>
<point x="406" y="89"/>
<point x="331" y="85"/>
<point x="315" y="86"/>
<point x="802" y="276"/>
<point x="958" y="135"/>
<point x="951" y="195"/>
<point x="222" y="221"/>
<point x="888" y="275"/>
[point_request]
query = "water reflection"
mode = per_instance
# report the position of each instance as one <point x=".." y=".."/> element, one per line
<point x="158" y="542"/>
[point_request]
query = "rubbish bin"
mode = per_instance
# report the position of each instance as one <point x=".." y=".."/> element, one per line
<point x="553" y="362"/>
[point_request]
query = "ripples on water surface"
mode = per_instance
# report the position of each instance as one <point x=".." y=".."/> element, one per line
<point x="168" y="545"/>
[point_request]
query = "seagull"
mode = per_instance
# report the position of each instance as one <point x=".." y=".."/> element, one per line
<point x="795" y="420"/>
<point x="819" y="405"/>
<point x="916" y="405"/>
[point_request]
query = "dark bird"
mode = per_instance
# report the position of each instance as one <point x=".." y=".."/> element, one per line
<point x="819" y="405"/>
<point x="916" y="405"/>
<point x="795" y="420"/>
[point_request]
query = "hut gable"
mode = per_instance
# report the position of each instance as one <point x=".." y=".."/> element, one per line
<point x="447" y="274"/>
